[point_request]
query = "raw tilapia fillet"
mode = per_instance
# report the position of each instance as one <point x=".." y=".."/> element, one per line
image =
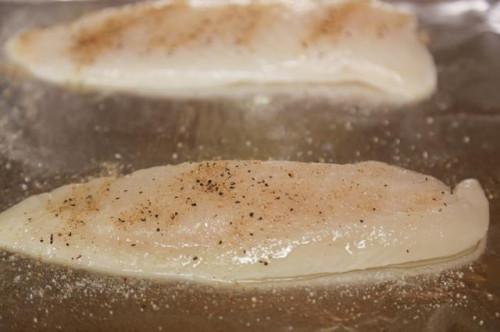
<point x="180" y="47"/>
<point x="249" y="221"/>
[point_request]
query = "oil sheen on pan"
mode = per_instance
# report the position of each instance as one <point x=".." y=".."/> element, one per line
<point x="250" y="221"/>
<point x="183" y="47"/>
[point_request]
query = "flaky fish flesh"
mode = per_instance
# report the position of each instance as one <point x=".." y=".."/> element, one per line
<point x="249" y="221"/>
<point x="179" y="47"/>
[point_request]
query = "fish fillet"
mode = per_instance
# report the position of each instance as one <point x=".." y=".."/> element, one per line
<point x="170" y="47"/>
<point x="249" y="221"/>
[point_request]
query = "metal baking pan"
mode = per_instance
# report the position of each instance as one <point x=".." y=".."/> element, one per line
<point x="51" y="135"/>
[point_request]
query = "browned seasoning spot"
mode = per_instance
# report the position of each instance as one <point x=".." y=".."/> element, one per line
<point x="337" y="21"/>
<point x="263" y="262"/>
<point x="332" y="23"/>
<point x="79" y="202"/>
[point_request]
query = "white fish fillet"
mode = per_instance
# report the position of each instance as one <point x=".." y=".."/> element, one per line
<point x="249" y="221"/>
<point x="181" y="47"/>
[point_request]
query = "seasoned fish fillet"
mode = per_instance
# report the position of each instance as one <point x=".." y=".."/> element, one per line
<point x="201" y="46"/>
<point x="249" y="221"/>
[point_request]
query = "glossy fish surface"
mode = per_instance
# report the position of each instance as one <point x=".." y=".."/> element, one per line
<point x="186" y="47"/>
<point x="249" y="221"/>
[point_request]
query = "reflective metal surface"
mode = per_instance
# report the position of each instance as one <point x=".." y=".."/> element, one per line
<point x="50" y="135"/>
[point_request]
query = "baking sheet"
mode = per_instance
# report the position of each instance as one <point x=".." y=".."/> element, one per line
<point x="51" y="135"/>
